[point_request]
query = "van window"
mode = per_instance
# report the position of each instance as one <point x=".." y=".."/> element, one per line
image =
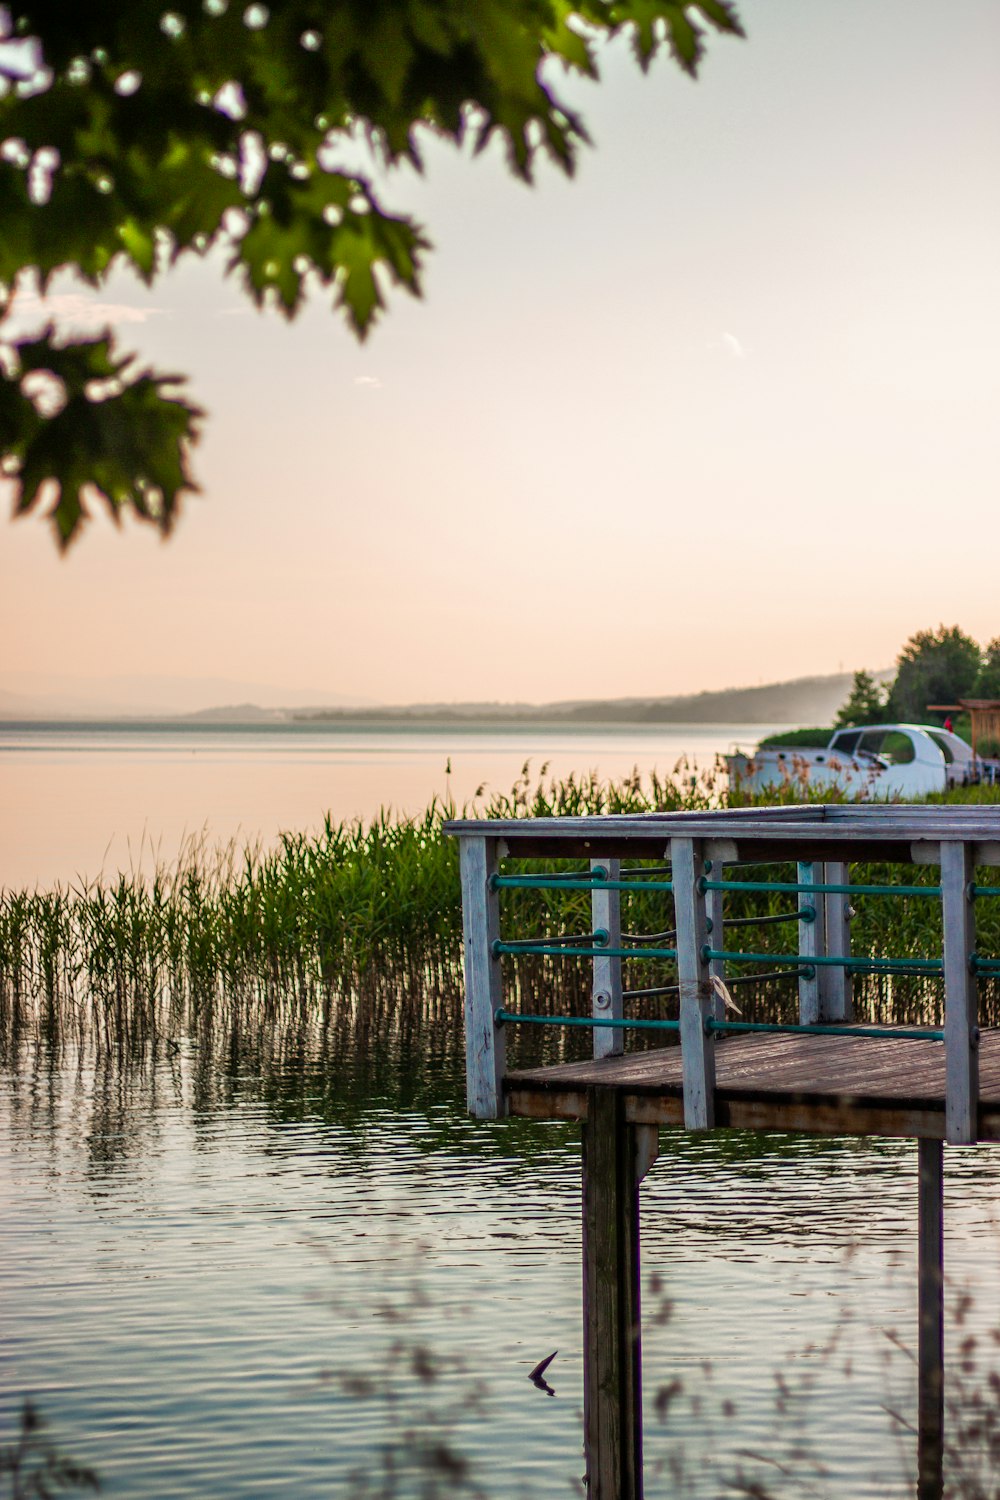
<point x="845" y="741"/>
<point x="945" y="745"/>
<point x="897" y="748"/>
<point x="890" y="745"/>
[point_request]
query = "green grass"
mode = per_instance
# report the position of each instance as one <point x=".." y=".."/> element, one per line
<point x="361" y="912"/>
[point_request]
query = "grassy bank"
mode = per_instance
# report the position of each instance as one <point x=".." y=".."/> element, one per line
<point x="365" y="914"/>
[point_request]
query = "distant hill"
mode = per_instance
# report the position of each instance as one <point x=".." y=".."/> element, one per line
<point x="803" y="700"/>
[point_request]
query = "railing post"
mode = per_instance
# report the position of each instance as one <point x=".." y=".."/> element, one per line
<point x="836" y="993"/>
<point x="961" y="1028"/>
<point x="606" y="909"/>
<point x="812" y="941"/>
<point x="715" y="927"/>
<point x="484" y="1039"/>
<point x="697" y="1047"/>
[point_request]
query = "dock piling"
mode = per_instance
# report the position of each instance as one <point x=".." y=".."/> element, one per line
<point x="930" y="1339"/>
<point x="615" y="1157"/>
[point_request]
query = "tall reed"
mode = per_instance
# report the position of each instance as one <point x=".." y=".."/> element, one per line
<point x="359" y="911"/>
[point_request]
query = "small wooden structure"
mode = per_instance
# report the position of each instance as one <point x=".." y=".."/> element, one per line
<point x="823" y="1074"/>
<point x="984" y="715"/>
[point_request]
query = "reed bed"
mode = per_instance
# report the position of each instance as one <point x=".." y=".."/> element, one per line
<point x="360" y="925"/>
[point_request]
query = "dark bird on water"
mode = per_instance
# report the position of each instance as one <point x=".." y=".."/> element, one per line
<point x="537" y="1375"/>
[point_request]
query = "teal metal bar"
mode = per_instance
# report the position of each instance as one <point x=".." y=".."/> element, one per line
<point x="916" y="965"/>
<point x="548" y="951"/>
<point x="985" y="890"/>
<point x="896" y="1033"/>
<point x="789" y="887"/>
<point x="507" y="1017"/>
<point x="984" y="965"/>
<point x="573" y="883"/>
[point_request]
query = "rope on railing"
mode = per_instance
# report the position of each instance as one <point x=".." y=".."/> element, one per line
<point x="731" y="980"/>
<point x="804" y="914"/>
<point x="597" y="939"/>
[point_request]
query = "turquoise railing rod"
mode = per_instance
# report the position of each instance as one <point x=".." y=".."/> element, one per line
<point x="984" y="965"/>
<point x="984" y="890"/>
<point x="789" y="887"/>
<point x="504" y="1017"/>
<point x="896" y="1033"/>
<point x="546" y="950"/>
<point x="916" y="965"/>
<point x="573" y="883"/>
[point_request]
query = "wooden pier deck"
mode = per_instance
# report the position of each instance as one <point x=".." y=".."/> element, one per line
<point x="822" y="1073"/>
<point x="834" y="1085"/>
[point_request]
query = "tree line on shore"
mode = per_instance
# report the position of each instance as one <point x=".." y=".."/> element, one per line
<point x="935" y="666"/>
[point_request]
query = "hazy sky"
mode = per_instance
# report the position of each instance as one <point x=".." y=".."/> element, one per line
<point x="723" y="409"/>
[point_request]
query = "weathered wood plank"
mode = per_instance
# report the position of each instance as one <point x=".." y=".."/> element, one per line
<point x="812" y="941"/>
<point x="961" y="999"/>
<point x="715" y="926"/>
<point x="696" y="995"/>
<point x="827" y="1085"/>
<point x="612" y="1362"/>
<point x="606" y="909"/>
<point x="868" y="828"/>
<point x="836" y="998"/>
<point x="484" y="1040"/>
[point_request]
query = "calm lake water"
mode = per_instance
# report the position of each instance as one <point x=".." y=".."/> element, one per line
<point x="234" y="1271"/>
<point x="76" y="801"/>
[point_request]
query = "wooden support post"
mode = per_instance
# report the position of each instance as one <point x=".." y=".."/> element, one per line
<point x="484" y="1039"/>
<point x="930" y="1343"/>
<point x="961" y="1024"/>
<point x="812" y="941"/>
<point x="715" y="927"/>
<point x="612" y="1361"/>
<point x="697" y="999"/>
<point x="836" y="994"/>
<point x="606" y="907"/>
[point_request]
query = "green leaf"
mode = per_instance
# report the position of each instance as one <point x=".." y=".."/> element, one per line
<point x="121" y="438"/>
<point x="139" y="141"/>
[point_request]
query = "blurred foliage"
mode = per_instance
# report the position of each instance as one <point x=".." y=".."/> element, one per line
<point x="865" y="705"/>
<point x="934" y="666"/>
<point x="134" y="135"/>
<point x="35" y="1467"/>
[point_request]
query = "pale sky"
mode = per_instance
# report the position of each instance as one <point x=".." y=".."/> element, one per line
<point x="721" y="410"/>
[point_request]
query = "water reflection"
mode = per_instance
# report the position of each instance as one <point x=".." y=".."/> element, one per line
<point x="283" y="1258"/>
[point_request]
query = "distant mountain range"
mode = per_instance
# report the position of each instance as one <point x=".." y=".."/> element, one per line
<point x="24" y="695"/>
<point x="804" y="700"/>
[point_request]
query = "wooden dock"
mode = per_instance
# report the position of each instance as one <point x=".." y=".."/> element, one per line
<point x="823" y="1073"/>
<point x="827" y="1086"/>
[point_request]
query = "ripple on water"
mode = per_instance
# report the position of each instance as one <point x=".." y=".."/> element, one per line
<point x="224" y="1301"/>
